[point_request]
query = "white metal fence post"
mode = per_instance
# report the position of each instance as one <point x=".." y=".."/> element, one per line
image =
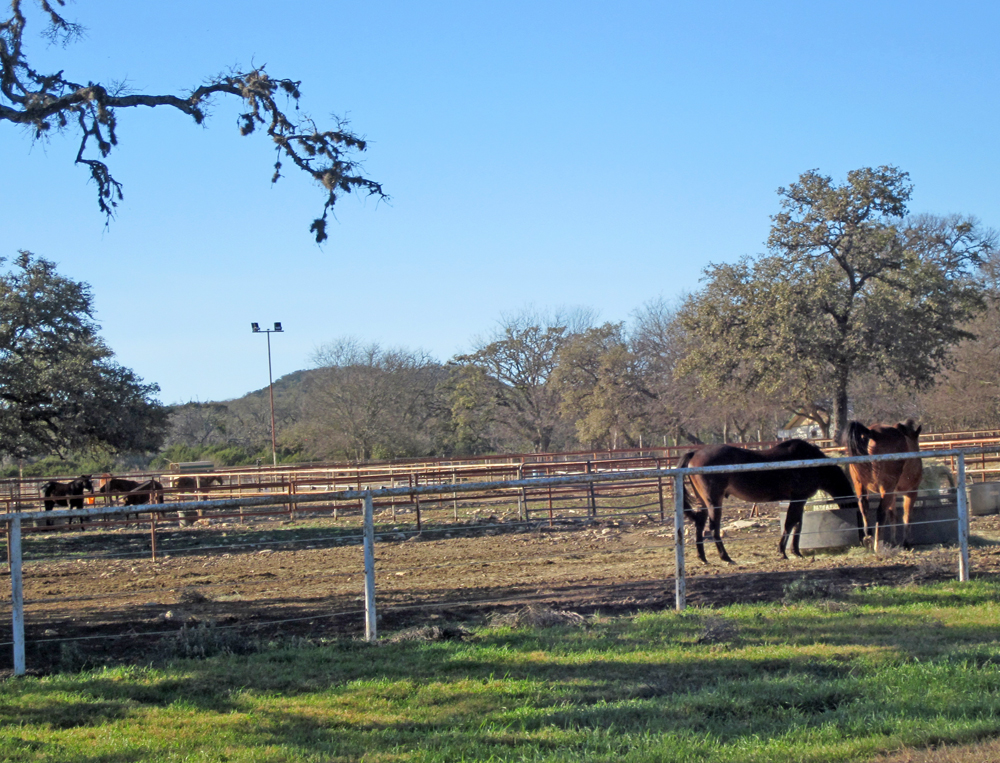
<point x="17" y="593"/>
<point x="371" y="629"/>
<point x="963" y="522"/>
<point x="679" y="582"/>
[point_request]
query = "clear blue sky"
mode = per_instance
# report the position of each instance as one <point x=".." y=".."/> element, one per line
<point x="544" y="153"/>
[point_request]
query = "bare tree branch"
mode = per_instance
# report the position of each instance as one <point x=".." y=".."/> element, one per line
<point x="50" y="101"/>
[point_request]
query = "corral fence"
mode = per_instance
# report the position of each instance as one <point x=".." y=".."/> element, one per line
<point x="668" y="480"/>
<point x="238" y="482"/>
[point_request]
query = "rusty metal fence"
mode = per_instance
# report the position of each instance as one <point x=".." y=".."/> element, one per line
<point x="537" y="492"/>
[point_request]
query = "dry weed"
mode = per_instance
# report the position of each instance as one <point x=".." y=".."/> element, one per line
<point x="534" y="616"/>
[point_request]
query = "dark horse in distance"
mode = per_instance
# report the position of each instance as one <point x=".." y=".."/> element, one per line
<point x="886" y="478"/>
<point x="795" y="485"/>
<point x="67" y="493"/>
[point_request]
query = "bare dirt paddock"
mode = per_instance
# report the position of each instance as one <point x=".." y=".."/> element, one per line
<point x="96" y="596"/>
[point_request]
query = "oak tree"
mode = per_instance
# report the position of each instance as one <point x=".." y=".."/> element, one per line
<point x="603" y="387"/>
<point x="850" y="285"/>
<point x="61" y="388"/>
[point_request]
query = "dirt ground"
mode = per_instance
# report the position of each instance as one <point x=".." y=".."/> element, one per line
<point x="97" y="596"/>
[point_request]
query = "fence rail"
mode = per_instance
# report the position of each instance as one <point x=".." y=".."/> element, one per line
<point x="366" y="497"/>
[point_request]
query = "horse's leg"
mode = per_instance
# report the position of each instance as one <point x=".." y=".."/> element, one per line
<point x="793" y="527"/>
<point x="908" y="498"/>
<point x="884" y="511"/>
<point x="715" y="522"/>
<point x="862" y="493"/>
<point x="865" y="529"/>
<point x="699" y="516"/>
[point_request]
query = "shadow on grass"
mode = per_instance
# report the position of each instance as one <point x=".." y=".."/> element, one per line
<point x="875" y="663"/>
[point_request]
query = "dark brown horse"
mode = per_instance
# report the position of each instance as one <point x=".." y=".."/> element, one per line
<point x="116" y="486"/>
<point x="887" y="478"/>
<point x="795" y="485"/>
<point x="149" y="491"/>
<point x="67" y="493"/>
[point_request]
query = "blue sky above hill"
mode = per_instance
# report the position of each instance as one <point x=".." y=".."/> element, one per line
<point x="546" y="154"/>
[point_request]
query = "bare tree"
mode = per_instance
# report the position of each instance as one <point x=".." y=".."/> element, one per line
<point x="513" y="381"/>
<point x="47" y="101"/>
<point x="369" y="402"/>
<point x="967" y="395"/>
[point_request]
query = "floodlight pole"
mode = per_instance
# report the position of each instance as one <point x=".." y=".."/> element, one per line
<point x="270" y="381"/>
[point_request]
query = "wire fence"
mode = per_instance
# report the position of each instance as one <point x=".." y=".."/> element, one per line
<point x="447" y="511"/>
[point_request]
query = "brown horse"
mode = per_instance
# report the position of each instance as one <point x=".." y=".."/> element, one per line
<point x="149" y="491"/>
<point x="115" y="488"/>
<point x="887" y="478"/>
<point x="195" y="484"/>
<point x="795" y="485"/>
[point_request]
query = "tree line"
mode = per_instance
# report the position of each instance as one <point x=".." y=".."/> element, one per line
<point x="856" y="309"/>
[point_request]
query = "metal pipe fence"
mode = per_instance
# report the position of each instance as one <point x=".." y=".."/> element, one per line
<point x="368" y="499"/>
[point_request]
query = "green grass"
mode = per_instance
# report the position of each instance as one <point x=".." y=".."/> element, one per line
<point x="810" y="681"/>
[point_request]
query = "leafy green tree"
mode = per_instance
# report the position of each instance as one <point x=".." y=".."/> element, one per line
<point x="850" y="286"/>
<point x="602" y="387"/>
<point x="61" y="389"/>
<point x="471" y="395"/>
<point x="43" y="101"/>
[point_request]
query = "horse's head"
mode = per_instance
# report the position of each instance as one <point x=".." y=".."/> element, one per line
<point x="85" y="482"/>
<point x="910" y="429"/>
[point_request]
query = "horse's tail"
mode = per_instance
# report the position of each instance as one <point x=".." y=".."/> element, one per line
<point x="856" y="438"/>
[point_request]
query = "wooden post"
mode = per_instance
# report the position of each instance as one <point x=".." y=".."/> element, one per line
<point x="659" y="492"/>
<point x="371" y="627"/>
<point x="17" y="593"/>
<point x="963" y="522"/>
<point x="416" y="499"/>
<point x="522" y="496"/>
<point x="591" y="495"/>
<point x="152" y="532"/>
<point x="680" y="587"/>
